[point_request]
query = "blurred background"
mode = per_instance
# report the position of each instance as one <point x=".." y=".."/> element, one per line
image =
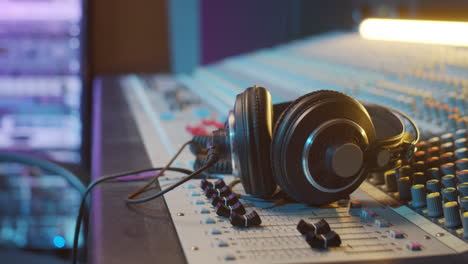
<point x="50" y="51"/>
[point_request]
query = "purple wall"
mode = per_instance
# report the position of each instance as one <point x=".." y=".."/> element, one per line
<point x="233" y="27"/>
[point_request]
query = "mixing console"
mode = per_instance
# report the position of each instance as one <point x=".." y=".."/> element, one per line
<point x="417" y="213"/>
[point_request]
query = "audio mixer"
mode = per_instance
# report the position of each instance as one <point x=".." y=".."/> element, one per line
<point x="415" y="214"/>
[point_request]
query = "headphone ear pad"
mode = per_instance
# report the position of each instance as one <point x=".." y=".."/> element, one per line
<point x="253" y="112"/>
<point x="291" y="134"/>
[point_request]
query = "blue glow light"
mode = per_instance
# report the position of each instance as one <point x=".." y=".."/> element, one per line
<point x="59" y="241"/>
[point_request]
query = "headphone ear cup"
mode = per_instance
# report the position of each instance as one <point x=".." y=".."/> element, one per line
<point x="253" y="112"/>
<point x="292" y="132"/>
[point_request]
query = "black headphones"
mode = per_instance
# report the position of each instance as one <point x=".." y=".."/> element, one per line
<point x="317" y="149"/>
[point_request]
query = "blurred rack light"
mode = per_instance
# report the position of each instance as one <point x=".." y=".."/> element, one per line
<point x="418" y="31"/>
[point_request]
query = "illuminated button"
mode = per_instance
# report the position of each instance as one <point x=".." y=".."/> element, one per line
<point x="194" y="194"/>
<point x="413" y="246"/>
<point x="222" y="243"/>
<point x="199" y="202"/>
<point x="216" y="231"/>
<point x="209" y="221"/>
<point x="190" y="186"/>
<point x="380" y="223"/>
<point x="367" y="214"/>
<point x="397" y="234"/>
<point x="204" y="211"/>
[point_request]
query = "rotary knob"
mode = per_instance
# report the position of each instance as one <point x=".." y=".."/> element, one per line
<point x="451" y="214"/>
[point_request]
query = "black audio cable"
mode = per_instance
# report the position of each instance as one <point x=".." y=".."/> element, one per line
<point x="212" y="158"/>
<point x="90" y="187"/>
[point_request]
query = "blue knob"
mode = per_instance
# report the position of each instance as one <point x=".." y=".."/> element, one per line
<point x="463" y="189"/>
<point x="451" y="214"/>
<point x="418" y="194"/>
<point x="433" y="186"/>
<point x="465" y="224"/>
<point x="462" y="176"/>
<point x="448" y="181"/>
<point x="464" y="203"/>
<point x="404" y="187"/>
<point x="462" y="164"/>
<point x="449" y="194"/>
<point x="461" y="153"/>
<point x="434" y="204"/>
<point x="448" y="168"/>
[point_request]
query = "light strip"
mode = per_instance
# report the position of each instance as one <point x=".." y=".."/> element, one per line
<point x="419" y="31"/>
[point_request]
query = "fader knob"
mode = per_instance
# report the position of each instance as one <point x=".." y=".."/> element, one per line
<point x="225" y="211"/>
<point x="448" y="181"/>
<point x="218" y="184"/>
<point x="462" y="176"/>
<point x="434" y="204"/>
<point x="391" y="181"/>
<point x="463" y="189"/>
<point x="433" y="186"/>
<point x="247" y="220"/>
<point x="320" y="227"/>
<point x="449" y="194"/>
<point x="224" y="192"/>
<point x="404" y="187"/>
<point x="330" y="239"/>
<point x="418" y="193"/>
<point x="451" y="214"/>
